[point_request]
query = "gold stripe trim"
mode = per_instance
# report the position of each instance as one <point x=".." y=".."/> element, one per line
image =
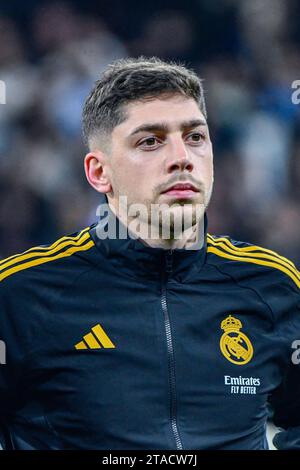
<point x="254" y="261"/>
<point x="249" y="248"/>
<point x="49" y="252"/>
<point x="46" y="259"/>
<point x="45" y="248"/>
<point x="279" y="260"/>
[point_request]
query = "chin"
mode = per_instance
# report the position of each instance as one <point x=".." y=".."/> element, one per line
<point x="181" y="217"/>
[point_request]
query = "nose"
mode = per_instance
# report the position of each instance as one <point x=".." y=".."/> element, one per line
<point x="178" y="158"/>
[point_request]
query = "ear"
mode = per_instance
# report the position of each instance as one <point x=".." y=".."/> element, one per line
<point x="96" y="171"/>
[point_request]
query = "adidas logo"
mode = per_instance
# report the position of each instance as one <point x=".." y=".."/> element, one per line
<point x="95" y="340"/>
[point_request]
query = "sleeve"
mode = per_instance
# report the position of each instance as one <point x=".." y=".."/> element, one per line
<point x="4" y="372"/>
<point x="5" y="403"/>
<point x="285" y="403"/>
<point x="12" y="336"/>
<point x="6" y="390"/>
<point x="285" y="400"/>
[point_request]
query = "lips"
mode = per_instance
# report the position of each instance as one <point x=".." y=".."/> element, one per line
<point x="181" y="187"/>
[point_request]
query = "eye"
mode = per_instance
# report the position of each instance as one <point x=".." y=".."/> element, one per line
<point x="149" y="143"/>
<point x="196" y="137"/>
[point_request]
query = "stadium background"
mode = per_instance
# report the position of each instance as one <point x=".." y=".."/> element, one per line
<point x="247" y="53"/>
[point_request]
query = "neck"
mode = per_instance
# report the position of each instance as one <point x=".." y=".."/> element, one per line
<point x="191" y="238"/>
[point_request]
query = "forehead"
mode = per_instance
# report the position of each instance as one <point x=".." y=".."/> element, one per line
<point x="171" y="109"/>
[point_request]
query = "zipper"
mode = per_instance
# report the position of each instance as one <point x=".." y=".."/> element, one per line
<point x="171" y="361"/>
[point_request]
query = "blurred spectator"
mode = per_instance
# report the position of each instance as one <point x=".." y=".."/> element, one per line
<point x="167" y="34"/>
<point x="248" y="56"/>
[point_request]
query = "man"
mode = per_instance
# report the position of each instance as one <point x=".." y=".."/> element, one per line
<point x="144" y="331"/>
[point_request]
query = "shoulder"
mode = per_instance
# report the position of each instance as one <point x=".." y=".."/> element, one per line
<point x="31" y="285"/>
<point x="244" y="261"/>
<point x="40" y="261"/>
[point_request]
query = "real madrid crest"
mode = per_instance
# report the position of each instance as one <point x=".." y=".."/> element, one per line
<point x="234" y="344"/>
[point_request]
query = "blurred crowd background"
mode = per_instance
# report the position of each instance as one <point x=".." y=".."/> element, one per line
<point x="247" y="52"/>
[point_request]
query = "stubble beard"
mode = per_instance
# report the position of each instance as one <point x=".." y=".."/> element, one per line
<point x="168" y="221"/>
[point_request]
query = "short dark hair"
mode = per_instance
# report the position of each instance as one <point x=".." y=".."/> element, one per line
<point x="130" y="79"/>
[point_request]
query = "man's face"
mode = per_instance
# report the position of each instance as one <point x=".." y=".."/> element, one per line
<point x="163" y="142"/>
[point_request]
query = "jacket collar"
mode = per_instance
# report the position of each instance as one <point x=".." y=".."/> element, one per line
<point x="136" y="259"/>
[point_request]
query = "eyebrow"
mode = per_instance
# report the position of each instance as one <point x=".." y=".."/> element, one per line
<point x="163" y="127"/>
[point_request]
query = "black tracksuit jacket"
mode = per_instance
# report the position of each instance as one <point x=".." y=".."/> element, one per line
<point x="111" y="344"/>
